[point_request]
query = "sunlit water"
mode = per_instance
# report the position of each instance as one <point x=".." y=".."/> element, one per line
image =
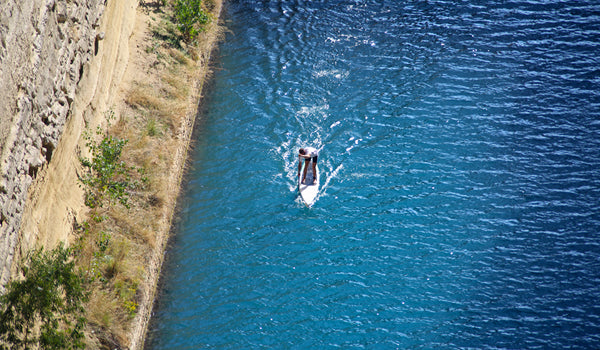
<point x="460" y="161"/>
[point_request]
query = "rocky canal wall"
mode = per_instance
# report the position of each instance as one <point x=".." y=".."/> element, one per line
<point x="58" y="59"/>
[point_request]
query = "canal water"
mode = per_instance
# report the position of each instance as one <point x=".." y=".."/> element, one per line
<point x="460" y="159"/>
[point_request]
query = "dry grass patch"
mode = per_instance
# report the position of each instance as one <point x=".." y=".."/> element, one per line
<point x="177" y="89"/>
<point x="143" y="97"/>
<point x="112" y="263"/>
<point x="165" y="103"/>
<point x="100" y="309"/>
<point x="181" y="57"/>
<point x="138" y="226"/>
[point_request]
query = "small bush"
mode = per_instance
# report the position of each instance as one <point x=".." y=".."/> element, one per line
<point x="50" y="296"/>
<point x="106" y="173"/>
<point x="190" y="18"/>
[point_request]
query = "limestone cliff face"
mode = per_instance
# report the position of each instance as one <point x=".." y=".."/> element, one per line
<point x="57" y="62"/>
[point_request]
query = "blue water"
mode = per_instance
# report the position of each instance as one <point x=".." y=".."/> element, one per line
<point x="460" y="160"/>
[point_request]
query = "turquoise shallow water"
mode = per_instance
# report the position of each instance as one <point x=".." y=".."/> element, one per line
<point x="460" y="160"/>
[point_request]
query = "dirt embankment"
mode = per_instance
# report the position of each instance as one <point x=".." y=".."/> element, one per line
<point x="150" y="82"/>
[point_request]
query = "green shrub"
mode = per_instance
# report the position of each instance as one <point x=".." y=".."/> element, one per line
<point x="190" y="18"/>
<point x="105" y="173"/>
<point x="45" y="309"/>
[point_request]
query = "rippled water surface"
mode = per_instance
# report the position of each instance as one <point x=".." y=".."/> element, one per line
<point x="460" y="160"/>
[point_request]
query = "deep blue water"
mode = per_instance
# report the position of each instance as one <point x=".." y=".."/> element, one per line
<point x="460" y="158"/>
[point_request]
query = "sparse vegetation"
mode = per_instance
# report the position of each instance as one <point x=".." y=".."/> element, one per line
<point x="104" y="248"/>
<point x="45" y="308"/>
<point x="190" y="17"/>
<point x="106" y="174"/>
<point x="126" y="173"/>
